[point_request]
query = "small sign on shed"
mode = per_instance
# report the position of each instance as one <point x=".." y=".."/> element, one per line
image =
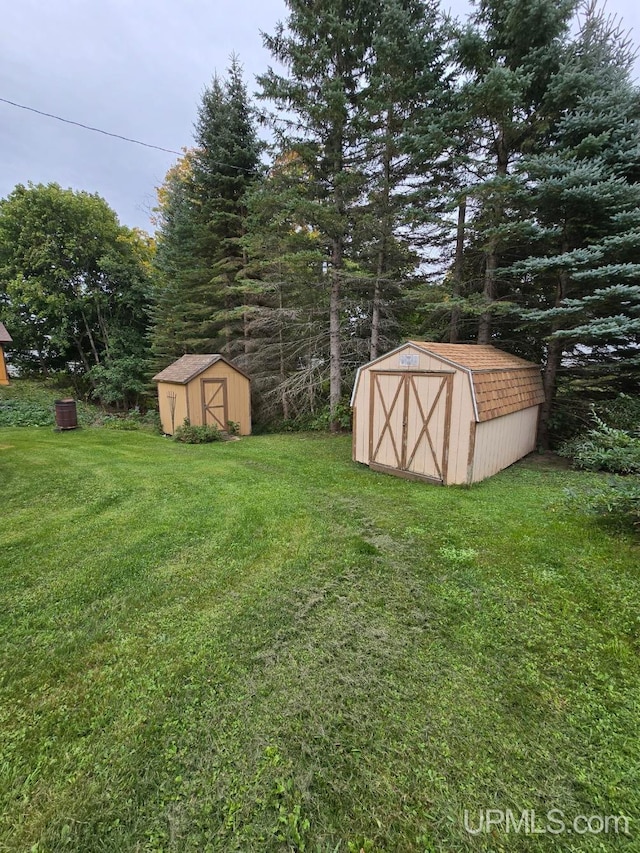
<point x="409" y="359"/>
<point x="205" y="390"/>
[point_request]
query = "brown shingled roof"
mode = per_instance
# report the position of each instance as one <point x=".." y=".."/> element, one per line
<point x="476" y="356"/>
<point x="500" y="392"/>
<point x="5" y="337"/>
<point x="502" y="383"/>
<point x="189" y="366"/>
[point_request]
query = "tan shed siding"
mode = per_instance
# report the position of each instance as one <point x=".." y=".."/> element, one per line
<point x="462" y="415"/>
<point x="502" y="441"/>
<point x="425" y="361"/>
<point x="4" y="377"/>
<point x="361" y="418"/>
<point x="240" y="404"/>
<point x="194" y="397"/>
<point x="238" y="395"/>
<point x="164" y="390"/>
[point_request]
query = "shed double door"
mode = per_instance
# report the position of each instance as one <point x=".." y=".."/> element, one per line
<point x="409" y="422"/>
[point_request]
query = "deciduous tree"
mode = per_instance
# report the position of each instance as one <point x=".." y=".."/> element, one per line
<point x="76" y="287"/>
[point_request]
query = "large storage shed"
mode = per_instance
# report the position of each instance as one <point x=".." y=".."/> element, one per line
<point x="204" y="389"/>
<point x="447" y="413"/>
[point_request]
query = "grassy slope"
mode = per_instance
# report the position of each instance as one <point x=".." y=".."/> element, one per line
<point x="261" y="646"/>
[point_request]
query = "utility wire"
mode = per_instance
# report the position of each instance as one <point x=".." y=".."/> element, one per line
<point x="87" y="127"/>
<point x="107" y="133"/>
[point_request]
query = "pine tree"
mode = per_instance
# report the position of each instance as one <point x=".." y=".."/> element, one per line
<point x="175" y="219"/>
<point x="202" y="212"/>
<point x="359" y="74"/>
<point x="288" y="319"/>
<point x="406" y="88"/>
<point x="509" y="55"/>
<point x="324" y="51"/>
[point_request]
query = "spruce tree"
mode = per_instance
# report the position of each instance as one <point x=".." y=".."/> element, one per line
<point x="508" y="54"/>
<point x="324" y="51"/>
<point x="288" y="319"/>
<point x="581" y="267"/>
<point x="199" y="297"/>
<point x="173" y="333"/>
<point x="358" y="76"/>
<point x="406" y="90"/>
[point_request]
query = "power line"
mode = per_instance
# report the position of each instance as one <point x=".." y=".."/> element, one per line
<point x="88" y="127"/>
<point x="108" y="133"/>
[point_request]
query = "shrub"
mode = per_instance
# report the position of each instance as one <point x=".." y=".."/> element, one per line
<point x="620" y="499"/>
<point x="616" y="450"/>
<point x="604" y="448"/>
<point x="133" y="420"/>
<point x="17" y="412"/>
<point x="189" y="434"/>
<point x="617" y="500"/>
<point x="623" y="412"/>
<point x="573" y="410"/>
<point x="31" y="403"/>
<point x="318" y="422"/>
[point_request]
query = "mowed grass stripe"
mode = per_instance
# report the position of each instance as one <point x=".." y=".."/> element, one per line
<point x="261" y="646"/>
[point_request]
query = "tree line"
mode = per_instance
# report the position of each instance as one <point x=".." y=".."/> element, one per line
<point x="470" y="182"/>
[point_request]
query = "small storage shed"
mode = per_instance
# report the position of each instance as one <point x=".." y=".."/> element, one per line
<point x="5" y="338"/>
<point x="446" y="413"/>
<point x="205" y="389"/>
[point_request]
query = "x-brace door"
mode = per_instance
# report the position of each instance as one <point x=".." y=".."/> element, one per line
<point x="409" y="422"/>
<point x="214" y="403"/>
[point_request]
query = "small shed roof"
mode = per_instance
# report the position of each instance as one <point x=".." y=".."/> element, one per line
<point x="189" y="366"/>
<point x="5" y="337"/>
<point x="501" y="383"/>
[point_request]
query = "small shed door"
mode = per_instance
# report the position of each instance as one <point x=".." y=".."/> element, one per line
<point x="410" y="422"/>
<point x="214" y="403"/>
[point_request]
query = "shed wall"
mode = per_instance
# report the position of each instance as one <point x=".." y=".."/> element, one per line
<point x="238" y="395"/>
<point x="4" y="378"/>
<point x="181" y="410"/>
<point x="502" y="441"/>
<point x="462" y="414"/>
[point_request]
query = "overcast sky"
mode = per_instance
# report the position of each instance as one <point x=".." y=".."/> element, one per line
<point x="133" y="68"/>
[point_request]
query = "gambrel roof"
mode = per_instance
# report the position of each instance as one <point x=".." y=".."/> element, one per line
<point x="188" y="367"/>
<point x="501" y="383"/>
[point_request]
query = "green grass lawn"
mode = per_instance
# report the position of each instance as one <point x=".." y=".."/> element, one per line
<point x="261" y="646"/>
